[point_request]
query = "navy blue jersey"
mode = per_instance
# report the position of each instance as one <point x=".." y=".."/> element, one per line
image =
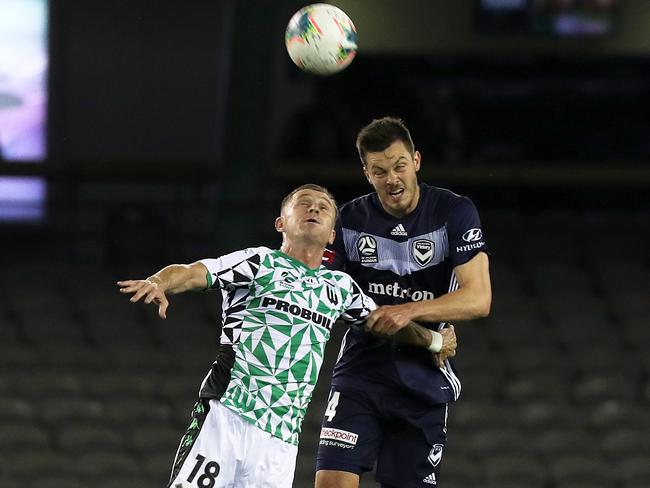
<point x="397" y="260"/>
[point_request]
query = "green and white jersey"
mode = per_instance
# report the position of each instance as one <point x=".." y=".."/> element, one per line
<point x="277" y="316"/>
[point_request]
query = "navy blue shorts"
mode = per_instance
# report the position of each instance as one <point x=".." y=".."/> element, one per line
<point x="403" y="434"/>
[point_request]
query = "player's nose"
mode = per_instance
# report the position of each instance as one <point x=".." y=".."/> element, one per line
<point x="392" y="178"/>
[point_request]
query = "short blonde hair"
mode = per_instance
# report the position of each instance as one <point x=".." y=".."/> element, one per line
<point x="310" y="186"/>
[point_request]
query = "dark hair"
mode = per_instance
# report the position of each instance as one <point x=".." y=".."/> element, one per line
<point x="381" y="133"/>
<point x="310" y="186"/>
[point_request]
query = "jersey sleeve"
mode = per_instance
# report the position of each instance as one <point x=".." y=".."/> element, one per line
<point x="464" y="233"/>
<point x="233" y="270"/>
<point x="357" y="305"/>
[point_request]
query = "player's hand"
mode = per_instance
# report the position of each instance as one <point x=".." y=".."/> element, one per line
<point x="150" y="290"/>
<point x="448" y="346"/>
<point x="389" y="319"/>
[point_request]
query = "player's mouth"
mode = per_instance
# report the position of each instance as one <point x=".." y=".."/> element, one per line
<point x="396" y="194"/>
<point x="312" y="221"/>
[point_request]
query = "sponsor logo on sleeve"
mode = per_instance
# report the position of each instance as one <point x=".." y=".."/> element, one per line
<point x="473" y="235"/>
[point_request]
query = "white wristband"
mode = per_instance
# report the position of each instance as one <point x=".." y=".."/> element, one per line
<point x="436" y="342"/>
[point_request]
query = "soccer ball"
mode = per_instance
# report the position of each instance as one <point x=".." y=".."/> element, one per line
<point x="321" y="39"/>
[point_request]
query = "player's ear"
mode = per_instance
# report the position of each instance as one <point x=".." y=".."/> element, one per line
<point x="417" y="157"/>
<point x="367" y="175"/>
<point x="279" y="224"/>
<point x="332" y="237"/>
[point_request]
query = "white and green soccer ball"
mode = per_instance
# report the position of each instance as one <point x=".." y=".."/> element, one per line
<point x="321" y="39"/>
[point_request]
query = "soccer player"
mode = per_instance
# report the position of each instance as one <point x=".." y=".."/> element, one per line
<point x="278" y="309"/>
<point x="419" y="252"/>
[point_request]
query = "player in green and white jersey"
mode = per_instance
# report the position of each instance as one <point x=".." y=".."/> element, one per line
<point x="278" y="309"/>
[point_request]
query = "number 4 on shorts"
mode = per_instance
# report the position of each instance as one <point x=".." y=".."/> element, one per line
<point x="331" y="406"/>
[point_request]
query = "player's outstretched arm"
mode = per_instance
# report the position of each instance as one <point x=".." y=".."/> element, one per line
<point x="172" y="279"/>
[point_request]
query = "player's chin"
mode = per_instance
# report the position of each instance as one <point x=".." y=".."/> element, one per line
<point x="315" y="237"/>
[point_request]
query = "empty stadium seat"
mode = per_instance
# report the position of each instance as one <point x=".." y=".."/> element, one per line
<point x="133" y="411"/>
<point x="86" y="437"/>
<point x="98" y="465"/>
<point x="500" y="439"/>
<point x="469" y="417"/>
<point x="600" y="387"/>
<point x="158" y="465"/>
<point x="538" y="415"/>
<point x="620" y="443"/>
<point x="40" y="463"/>
<point x="511" y="469"/>
<point x="131" y="481"/>
<point x="591" y="359"/>
<point x="122" y="384"/>
<point x="58" y="410"/>
<point x="616" y="414"/>
<point x="46" y="383"/>
<point x="156" y="438"/>
<point x="635" y="469"/>
<point x="15" y="408"/>
<point x="72" y="357"/>
<point x="531" y="359"/>
<point x="539" y="385"/>
<point x="559" y="441"/>
<point x="574" y="469"/>
<point x="17" y="436"/>
<point x="56" y="481"/>
<point x="461" y="469"/>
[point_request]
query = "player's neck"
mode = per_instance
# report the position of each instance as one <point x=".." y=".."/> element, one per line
<point x="309" y="255"/>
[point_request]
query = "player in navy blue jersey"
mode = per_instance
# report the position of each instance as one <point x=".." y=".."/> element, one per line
<point x="419" y="252"/>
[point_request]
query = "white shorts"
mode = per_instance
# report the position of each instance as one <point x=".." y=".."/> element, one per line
<point x="225" y="451"/>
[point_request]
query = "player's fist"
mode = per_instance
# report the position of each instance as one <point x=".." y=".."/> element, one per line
<point x="449" y="344"/>
<point x="388" y="319"/>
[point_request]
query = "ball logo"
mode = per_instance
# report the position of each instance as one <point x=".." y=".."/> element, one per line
<point x="367" y="246"/>
<point x="423" y="251"/>
<point x="473" y="235"/>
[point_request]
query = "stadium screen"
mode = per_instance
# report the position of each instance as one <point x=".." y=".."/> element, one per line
<point x="23" y="104"/>
<point x="557" y="18"/>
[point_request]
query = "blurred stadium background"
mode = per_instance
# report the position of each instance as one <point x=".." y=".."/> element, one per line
<point x="171" y="130"/>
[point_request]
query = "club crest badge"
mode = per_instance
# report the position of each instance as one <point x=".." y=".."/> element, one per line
<point x="423" y="251"/>
<point x="435" y="455"/>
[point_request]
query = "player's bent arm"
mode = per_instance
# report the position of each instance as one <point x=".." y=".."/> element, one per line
<point x="471" y="300"/>
<point x="178" y="278"/>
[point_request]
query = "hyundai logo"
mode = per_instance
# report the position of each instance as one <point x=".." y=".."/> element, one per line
<point x="473" y="235"/>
